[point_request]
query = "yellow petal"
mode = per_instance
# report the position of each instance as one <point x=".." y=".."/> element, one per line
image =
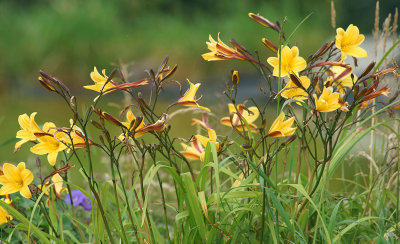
<point x="273" y="61"/>
<point x="25" y="192"/>
<point x="356" y="52"/>
<point x="202" y="139"/>
<point x="11" y="171"/>
<point x="21" y="166"/>
<point x="8" y="189"/>
<point x="52" y="157"/>
<point x="130" y="117"/>
<point x="4" y="180"/>
<point x="212" y="135"/>
<point x="27" y="176"/>
<point x="58" y="182"/>
<point x="20" y="143"/>
<point x="40" y="149"/>
<point x="252" y="115"/>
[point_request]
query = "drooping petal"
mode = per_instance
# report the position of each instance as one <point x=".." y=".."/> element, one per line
<point x="58" y="183"/>
<point x="25" y="192"/>
<point x="52" y="157"/>
<point x="20" y="143"/>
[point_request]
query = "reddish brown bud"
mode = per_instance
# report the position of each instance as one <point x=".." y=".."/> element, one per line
<point x="264" y="22"/>
<point x="270" y="45"/>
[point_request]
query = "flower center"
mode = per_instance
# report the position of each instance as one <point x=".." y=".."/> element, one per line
<point x="20" y="183"/>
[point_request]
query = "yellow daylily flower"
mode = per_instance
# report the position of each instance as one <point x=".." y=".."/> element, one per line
<point x="212" y="136"/>
<point x="102" y="86"/>
<point x="196" y="151"/>
<point x="343" y="82"/>
<point x="51" y="144"/>
<point x="290" y="62"/>
<point x="348" y="42"/>
<point x="131" y="126"/>
<point x="142" y="128"/>
<point x="280" y="127"/>
<point x="189" y="98"/>
<point x="7" y="199"/>
<point x="328" y="101"/>
<point x="16" y="178"/>
<point x="100" y="81"/>
<point x="192" y="152"/>
<point x="4" y="216"/>
<point x="292" y="91"/>
<point x="28" y="129"/>
<point x="249" y="115"/>
<point x="221" y="51"/>
<point x="58" y="187"/>
<point x="77" y="136"/>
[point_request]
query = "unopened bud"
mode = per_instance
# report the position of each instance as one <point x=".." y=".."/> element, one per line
<point x="235" y="77"/>
<point x="270" y="45"/>
<point x="46" y="84"/>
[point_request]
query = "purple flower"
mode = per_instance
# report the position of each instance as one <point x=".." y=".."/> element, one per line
<point x="78" y="198"/>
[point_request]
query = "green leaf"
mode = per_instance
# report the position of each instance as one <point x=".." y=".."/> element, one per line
<point x="281" y="211"/>
<point x="17" y="215"/>
<point x="349" y="227"/>
<point x="301" y="189"/>
<point x="193" y="204"/>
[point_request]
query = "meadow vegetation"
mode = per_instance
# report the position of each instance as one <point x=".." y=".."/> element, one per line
<point x="272" y="176"/>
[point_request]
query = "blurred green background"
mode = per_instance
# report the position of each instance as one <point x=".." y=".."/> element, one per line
<point x="67" y="38"/>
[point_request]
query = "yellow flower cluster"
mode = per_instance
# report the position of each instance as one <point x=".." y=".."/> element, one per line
<point x="51" y="140"/>
<point x="289" y="63"/>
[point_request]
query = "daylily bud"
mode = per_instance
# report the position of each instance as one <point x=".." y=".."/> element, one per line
<point x="46" y="84"/>
<point x="270" y="45"/>
<point x="112" y="119"/>
<point x="170" y="72"/>
<point x="264" y="22"/>
<point x="367" y="70"/>
<point x="101" y="139"/>
<point x="97" y="125"/>
<point x="246" y="147"/>
<point x="235" y="77"/>
<point x="289" y="140"/>
<point x="323" y="49"/>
